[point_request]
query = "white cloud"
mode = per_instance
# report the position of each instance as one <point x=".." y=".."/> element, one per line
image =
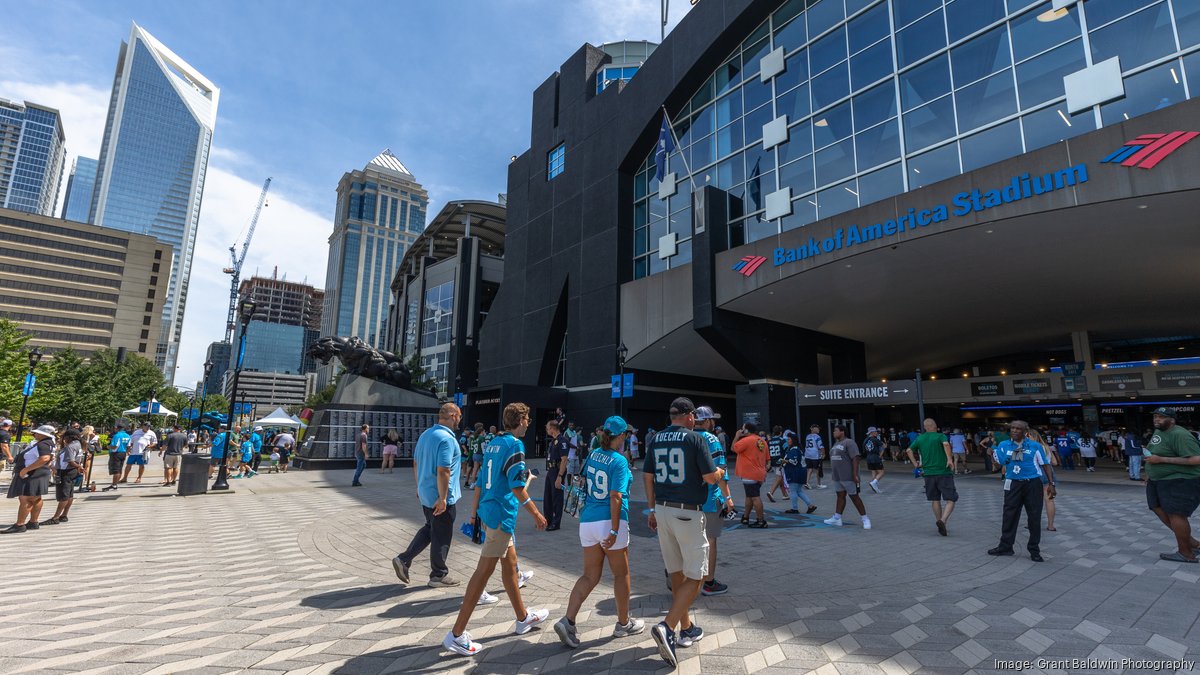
<point x="615" y="20"/>
<point x="288" y="236"/>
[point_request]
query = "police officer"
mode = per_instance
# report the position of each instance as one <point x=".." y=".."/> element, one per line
<point x="1023" y="461"/>
<point x="557" y="447"/>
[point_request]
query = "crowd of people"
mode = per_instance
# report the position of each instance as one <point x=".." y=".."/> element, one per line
<point x="65" y="459"/>
<point x="686" y="480"/>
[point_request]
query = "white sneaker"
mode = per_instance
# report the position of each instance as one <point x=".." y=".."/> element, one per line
<point x="834" y="520"/>
<point x="463" y="644"/>
<point x="522" y="577"/>
<point x="866" y="523"/>
<point x="822" y="486"/>
<point x="875" y="486"/>
<point x="634" y="627"/>
<point x="488" y="599"/>
<point x="533" y="617"/>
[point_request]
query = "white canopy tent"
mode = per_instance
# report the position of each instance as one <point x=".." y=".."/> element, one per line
<point x="278" y="418"/>
<point x="162" y="410"/>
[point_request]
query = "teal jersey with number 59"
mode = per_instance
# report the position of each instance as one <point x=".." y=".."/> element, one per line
<point x="606" y="472"/>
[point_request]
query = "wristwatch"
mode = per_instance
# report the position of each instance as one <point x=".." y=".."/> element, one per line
<point x="613" y="532"/>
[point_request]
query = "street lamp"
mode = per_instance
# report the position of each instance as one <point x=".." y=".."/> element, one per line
<point x="245" y="313"/>
<point x="208" y="366"/>
<point x="35" y="355"/>
<point x="622" y="352"/>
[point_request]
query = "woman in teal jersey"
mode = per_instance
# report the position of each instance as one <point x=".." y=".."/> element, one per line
<point x="604" y="531"/>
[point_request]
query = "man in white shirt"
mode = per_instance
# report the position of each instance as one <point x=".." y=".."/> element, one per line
<point x="143" y="439"/>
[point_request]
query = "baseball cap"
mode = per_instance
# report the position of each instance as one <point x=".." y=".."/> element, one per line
<point x="682" y="406"/>
<point x="615" y="425"/>
<point x="1165" y="412"/>
<point x="871" y="430"/>
<point x="706" y="413"/>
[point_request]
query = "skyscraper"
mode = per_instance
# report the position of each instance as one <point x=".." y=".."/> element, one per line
<point x="153" y="160"/>
<point x="80" y="186"/>
<point x="31" y="157"/>
<point x="380" y="212"/>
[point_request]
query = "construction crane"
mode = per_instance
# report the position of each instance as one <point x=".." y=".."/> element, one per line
<point x="235" y="270"/>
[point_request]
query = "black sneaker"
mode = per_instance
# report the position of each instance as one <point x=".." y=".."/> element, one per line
<point x="32" y="526"/>
<point x="665" y="639"/>
<point x="13" y="529"/>
<point x="713" y="587"/>
<point x="690" y="636"/>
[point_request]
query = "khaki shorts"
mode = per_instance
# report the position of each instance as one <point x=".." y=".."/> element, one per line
<point x="172" y="461"/>
<point x="495" y="543"/>
<point x="683" y="540"/>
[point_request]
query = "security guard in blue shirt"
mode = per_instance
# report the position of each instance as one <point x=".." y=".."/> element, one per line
<point x="1023" y="462"/>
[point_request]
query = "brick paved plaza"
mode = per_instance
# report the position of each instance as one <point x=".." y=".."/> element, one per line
<point x="291" y="573"/>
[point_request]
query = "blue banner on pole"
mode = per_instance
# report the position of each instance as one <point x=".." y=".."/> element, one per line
<point x="627" y="386"/>
<point x="616" y="386"/>
<point x="459" y="399"/>
<point x="30" y="381"/>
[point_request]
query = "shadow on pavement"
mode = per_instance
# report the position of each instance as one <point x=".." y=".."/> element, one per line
<point x="502" y="654"/>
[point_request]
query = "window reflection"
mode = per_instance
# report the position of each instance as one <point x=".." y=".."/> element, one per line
<point x="881" y="184"/>
<point x="837" y="199"/>
<point x="986" y="101"/>
<point x="1151" y="90"/>
<point x="928" y="125"/>
<point x="1053" y="124"/>
<point x="1041" y="78"/>
<point x="798" y="175"/>
<point x="1138" y="39"/>
<point x="1032" y="36"/>
<point x="964" y="17"/>
<point x="933" y="166"/>
<point x="980" y="57"/>
<point x="920" y="39"/>
<point x="925" y="82"/>
<point x="990" y="146"/>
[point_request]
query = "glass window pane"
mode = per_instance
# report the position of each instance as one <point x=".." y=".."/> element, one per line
<point x="756" y="228"/>
<point x="702" y="123"/>
<point x="929" y="124"/>
<point x="799" y="142"/>
<point x="991" y="146"/>
<point x="755" y="121"/>
<point x="853" y="6"/>
<point x="639" y="185"/>
<point x="752" y="56"/>
<point x="797" y="71"/>
<point x="728" y="108"/>
<point x="933" y="166"/>
<point x="731" y="172"/>
<point x="986" y="101"/>
<point x="704" y="152"/>
<point x="759" y="161"/>
<point x="835" y="162"/>
<point x="730" y="139"/>
<point x="657" y="264"/>
<point x="1187" y="18"/>
<point x="832" y="125"/>
<point x="790" y="9"/>
<point x="703" y="96"/>
<point x="925" y="82"/>
<point x="823" y="15"/>
<point x="729" y="75"/>
<point x="920" y="39"/>
<point x="798" y="175"/>
<point x="980" y="57"/>
<point x="1100" y="12"/>
<point x="869" y="28"/>
<point x="755" y="93"/>
<point x="681" y="223"/>
<point x="878" y="144"/>
<point x="964" y="17"/>
<point x="837" y="199"/>
<point x="683" y="254"/>
<point x="881" y="184"/>
<point x="658" y="229"/>
<point x="1053" y="124"/>
<point x="1030" y="36"/>
<point x="1138" y="40"/>
<point x="639" y="268"/>
<point x="871" y="65"/>
<point x="828" y="50"/>
<point x="1191" y="63"/>
<point x="640" y="240"/>
<point x="1041" y="78"/>
<point x="804" y="211"/>
<point x="909" y="10"/>
<point x="640" y="214"/>
<point x="792" y="35"/>
<point x="794" y="104"/>
<point x="1154" y="89"/>
<point x="830" y="86"/>
<point x="874" y="105"/>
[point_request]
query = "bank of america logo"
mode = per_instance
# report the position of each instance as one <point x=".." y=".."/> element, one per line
<point x="1147" y="150"/>
<point x="747" y="265"/>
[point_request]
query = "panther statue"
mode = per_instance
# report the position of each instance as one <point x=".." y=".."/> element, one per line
<point x="359" y="358"/>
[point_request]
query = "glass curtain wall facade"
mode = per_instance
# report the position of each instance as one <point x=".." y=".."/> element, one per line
<point x="153" y="160"/>
<point x="437" y="325"/>
<point x="80" y="187"/>
<point x="882" y="96"/>
<point x="32" y="157"/>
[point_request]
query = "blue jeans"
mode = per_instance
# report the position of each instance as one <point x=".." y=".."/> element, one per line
<point x="798" y="495"/>
<point x="1135" y="467"/>
<point x="359" y="468"/>
<point x="1067" y="460"/>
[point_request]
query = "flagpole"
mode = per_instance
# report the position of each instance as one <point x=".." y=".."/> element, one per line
<point x="680" y="148"/>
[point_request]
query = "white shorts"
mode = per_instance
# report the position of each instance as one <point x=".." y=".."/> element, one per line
<point x="595" y="532"/>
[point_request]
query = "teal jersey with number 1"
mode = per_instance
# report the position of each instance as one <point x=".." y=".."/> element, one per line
<point x="503" y="471"/>
<point x="606" y="471"/>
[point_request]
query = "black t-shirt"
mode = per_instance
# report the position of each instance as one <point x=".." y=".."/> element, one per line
<point x="5" y="437"/>
<point x="873" y="445"/>
<point x="176" y="442"/>
<point x="556" y="451"/>
<point x="679" y="458"/>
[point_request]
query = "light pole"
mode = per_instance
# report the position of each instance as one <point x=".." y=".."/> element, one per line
<point x="622" y="352"/>
<point x="245" y="313"/>
<point x="35" y="355"/>
<point x="208" y="366"/>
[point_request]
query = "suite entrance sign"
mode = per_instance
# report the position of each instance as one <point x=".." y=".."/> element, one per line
<point x="897" y="392"/>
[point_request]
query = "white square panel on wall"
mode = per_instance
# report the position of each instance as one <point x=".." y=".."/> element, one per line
<point x="1094" y="85"/>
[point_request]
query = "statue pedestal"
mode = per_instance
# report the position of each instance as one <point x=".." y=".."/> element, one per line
<point x="329" y="441"/>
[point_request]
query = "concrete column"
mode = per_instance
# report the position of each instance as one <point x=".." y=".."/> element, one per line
<point x="1081" y="345"/>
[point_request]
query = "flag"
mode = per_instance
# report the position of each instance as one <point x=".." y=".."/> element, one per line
<point x="666" y="145"/>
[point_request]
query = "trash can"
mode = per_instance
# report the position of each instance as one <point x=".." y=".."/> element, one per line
<point x="193" y="474"/>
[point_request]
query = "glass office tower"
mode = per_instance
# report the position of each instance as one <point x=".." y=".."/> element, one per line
<point x="32" y="157"/>
<point x="380" y="211"/>
<point x="153" y="161"/>
<point x="846" y="102"/>
<point x="80" y="186"/>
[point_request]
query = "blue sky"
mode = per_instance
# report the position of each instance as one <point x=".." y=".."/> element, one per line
<point x="310" y="90"/>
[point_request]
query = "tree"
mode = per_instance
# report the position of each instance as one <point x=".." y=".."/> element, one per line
<point x="421" y="379"/>
<point x="57" y="398"/>
<point x="108" y="388"/>
<point x="14" y="363"/>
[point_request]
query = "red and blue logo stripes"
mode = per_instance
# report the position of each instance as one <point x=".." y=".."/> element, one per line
<point x="1147" y="150"/>
<point x="748" y="264"/>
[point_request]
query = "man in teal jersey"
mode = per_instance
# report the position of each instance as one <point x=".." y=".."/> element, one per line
<point x="118" y="445"/>
<point x="499" y="494"/>
<point x="720" y="499"/>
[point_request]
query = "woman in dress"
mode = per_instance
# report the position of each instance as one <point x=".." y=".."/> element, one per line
<point x="604" y="532"/>
<point x="31" y="479"/>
